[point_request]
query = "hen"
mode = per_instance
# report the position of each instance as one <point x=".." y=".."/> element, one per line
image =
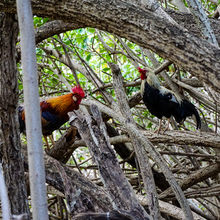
<point x="163" y="102"/>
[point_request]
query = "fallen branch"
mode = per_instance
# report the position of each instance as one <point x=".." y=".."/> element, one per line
<point x="196" y="177"/>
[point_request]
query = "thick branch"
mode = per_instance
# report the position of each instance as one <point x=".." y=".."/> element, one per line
<point x="53" y="178"/>
<point x="140" y="26"/>
<point x="170" y="137"/>
<point x="94" y="134"/>
<point x="54" y="27"/>
<point x="64" y="147"/>
<point x="196" y="177"/>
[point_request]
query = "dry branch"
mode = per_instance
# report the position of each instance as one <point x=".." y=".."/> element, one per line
<point x="94" y="134"/>
<point x="97" y="194"/>
<point x="196" y="177"/>
<point x="64" y="147"/>
<point x="170" y="209"/>
<point x="77" y="201"/>
<point x="202" y="139"/>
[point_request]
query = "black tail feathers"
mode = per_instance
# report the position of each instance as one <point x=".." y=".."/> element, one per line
<point x="198" y="119"/>
<point x="189" y="109"/>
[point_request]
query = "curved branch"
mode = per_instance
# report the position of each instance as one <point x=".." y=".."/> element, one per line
<point x="54" y="27"/>
<point x="196" y="177"/>
<point x="202" y="139"/>
<point x="140" y="26"/>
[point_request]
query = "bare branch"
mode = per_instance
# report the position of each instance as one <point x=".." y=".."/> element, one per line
<point x="171" y="137"/>
<point x="94" y="134"/>
<point x="194" y="178"/>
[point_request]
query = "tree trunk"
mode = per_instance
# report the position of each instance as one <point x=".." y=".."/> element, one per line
<point x="10" y="149"/>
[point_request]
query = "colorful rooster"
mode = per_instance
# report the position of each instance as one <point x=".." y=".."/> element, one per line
<point x="54" y="111"/>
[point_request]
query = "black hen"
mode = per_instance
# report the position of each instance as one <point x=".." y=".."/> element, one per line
<point x="162" y="102"/>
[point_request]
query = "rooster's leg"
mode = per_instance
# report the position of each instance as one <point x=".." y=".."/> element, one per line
<point x="159" y="128"/>
<point x="52" y="140"/>
<point x="167" y="127"/>
<point x="47" y="144"/>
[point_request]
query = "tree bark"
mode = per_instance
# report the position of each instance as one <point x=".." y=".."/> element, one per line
<point x="192" y="179"/>
<point x="141" y="26"/>
<point x="94" y="134"/>
<point x="10" y="149"/>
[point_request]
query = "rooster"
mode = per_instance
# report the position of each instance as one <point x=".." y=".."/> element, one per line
<point x="54" y="111"/>
<point x="163" y="102"/>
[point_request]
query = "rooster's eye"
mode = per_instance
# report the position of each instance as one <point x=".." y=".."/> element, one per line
<point x="74" y="98"/>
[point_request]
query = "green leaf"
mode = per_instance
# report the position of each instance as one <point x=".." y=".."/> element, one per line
<point x="88" y="57"/>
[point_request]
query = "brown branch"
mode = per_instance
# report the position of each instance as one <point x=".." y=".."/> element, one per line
<point x="204" y="192"/>
<point x="203" y="139"/>
<point x="94" y="134"/>
<point x="64" y="147"/>
<point x="196" y="177"/>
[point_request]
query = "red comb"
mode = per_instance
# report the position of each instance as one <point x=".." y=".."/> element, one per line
<point x="141" y="70"/>
<point x="78" y="90"/>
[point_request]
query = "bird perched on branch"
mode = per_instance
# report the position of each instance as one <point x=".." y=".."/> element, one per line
<point x="54" y="111"/>
<point x="163" y="102"/>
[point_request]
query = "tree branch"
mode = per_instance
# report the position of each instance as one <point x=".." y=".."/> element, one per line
<point x="94" y="134"/>
<point x="142" y="27"/>
<point x="196" y="177"/>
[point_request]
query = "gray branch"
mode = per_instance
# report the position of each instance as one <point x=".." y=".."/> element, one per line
<point x="139" y="26"/>
<point x="93" y="132"/>
<point x="202" y="20"/>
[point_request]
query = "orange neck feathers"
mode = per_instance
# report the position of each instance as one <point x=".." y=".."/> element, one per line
<point x="62" y="104"/>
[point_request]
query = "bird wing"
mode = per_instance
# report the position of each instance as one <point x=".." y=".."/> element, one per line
<point x="158" y="102"/>
<point x="170" y="95"/>
<point x="50" y="119"/>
